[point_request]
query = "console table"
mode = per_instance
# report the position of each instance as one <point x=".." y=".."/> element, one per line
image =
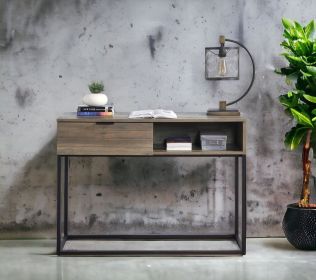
<point x="120" y="136"/>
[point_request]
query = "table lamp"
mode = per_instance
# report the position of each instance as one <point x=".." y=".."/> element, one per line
<point x="222" y="63"/>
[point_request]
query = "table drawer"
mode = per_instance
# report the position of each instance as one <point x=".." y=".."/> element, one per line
<point x="104" y="138"/>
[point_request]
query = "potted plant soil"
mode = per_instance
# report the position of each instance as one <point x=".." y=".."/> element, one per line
<point x="96" y="97"/>
<point x="299" y="223"/>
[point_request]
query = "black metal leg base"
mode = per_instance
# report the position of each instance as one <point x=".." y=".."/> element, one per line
<point x="151" y="245"/>
<point x="141" y="245"/>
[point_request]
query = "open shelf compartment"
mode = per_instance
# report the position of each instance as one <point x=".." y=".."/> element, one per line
<point x="233" y="131"/>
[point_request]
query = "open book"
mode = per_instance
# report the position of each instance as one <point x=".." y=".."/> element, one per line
<point x="158" y="113"/>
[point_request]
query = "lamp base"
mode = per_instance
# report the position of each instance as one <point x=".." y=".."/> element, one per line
<point x="223" y="111"/>
<point x="229" y="112"/>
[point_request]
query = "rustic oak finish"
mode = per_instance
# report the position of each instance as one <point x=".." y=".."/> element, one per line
<point x="123" y="117"/>
<point x="120" y="136"/>
<point x="123" y="136"/>
<point x="108" y="138"/>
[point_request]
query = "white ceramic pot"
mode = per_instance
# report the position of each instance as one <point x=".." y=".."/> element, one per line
<point x="95" y="99"/>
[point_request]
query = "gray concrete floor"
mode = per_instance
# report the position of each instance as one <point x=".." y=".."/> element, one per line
<point x="268" y="258"/>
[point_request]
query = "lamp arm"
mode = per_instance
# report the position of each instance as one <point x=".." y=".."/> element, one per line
<point x="253" y="72"/>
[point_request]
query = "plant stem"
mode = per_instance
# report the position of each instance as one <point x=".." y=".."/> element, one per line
<point x="305" y="195"/>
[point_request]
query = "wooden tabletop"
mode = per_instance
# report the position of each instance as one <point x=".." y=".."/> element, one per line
<point x="123" y="117"/>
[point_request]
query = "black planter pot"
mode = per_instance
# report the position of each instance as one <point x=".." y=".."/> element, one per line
<point x="299" y="225"/>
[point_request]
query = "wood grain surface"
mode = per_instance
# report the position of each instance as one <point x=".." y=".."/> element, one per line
<point x="87" y="138"/>
<point x="119" y="136"/>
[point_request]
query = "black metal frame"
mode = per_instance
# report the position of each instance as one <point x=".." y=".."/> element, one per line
<point x="253" y="68"/>
<point x="240" y="217"/>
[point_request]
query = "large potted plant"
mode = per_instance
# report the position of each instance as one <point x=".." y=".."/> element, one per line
<point x="299" y="223"/>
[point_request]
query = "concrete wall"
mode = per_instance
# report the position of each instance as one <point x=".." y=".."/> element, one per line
<point x="149" y="54"/>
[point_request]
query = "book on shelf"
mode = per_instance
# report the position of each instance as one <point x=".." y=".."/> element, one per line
<point x="177" y="148"/>
<point x="179" y="143"/>
<point x="157" y="113"/>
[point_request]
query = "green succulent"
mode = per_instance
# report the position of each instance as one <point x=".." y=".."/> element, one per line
<point x="300" y="103"/>
<point x="96" y="87"/>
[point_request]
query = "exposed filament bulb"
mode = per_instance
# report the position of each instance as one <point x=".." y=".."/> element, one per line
<point x="222" y="68"/>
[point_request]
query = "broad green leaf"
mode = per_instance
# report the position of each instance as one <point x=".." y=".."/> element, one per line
<point x="301" y="84"/>
<point x="294" y="59"/>
<point x="289" y="100"/>
<point x="302" y="107"/>
<point x="309" y="27"/>
<point x="287" y="45"/>
<point x="305" y="74"/>
<point x="310" y="98"/>
<point x="294" y="137"/>
<point x="289" y="137"/>
<point x="299" y="30"/>
<point x="305" y="60"/>
<point x="311" y="70"/>
<point x="285" y="100"/>
<point x="287" y="35"/>
<point x="297" y="138"/>
<point x="295" y="93"/>
<point x="310" y="30"/>
<point x="287" y="71"/>
<point x="287" y="23"/>
<point x="290" y="94"/>
<point x="302" y="48"/>
<point x="301" y="118"/>
<point x="311" y="84"/>
<point x="300" y="51"/>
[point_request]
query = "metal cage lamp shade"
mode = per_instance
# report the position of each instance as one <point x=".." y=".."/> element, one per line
<point x="222" y="63"/>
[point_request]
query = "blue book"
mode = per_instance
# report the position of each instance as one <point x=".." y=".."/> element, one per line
<point x="94" y="114"/>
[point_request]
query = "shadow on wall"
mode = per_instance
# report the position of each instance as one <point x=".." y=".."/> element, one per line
<point x="29" y="204"/>
<point x="148" y="195"/>
<point x="114" y="193"/>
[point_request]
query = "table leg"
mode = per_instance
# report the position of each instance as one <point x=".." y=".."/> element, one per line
<point x="66" y="164"/>
<point x="237" y="197"/>
<point x="244" y="204"/>
<point x="58" y="246"/>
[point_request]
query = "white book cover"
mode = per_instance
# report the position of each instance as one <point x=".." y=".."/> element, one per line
<point x="179" y="149"/>
<point x="180" y="145"/>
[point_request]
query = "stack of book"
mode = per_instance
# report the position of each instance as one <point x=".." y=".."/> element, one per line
<point x="105" y="111"/>
<point x="179" y="143"/>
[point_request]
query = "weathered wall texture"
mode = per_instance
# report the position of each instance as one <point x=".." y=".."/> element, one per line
<point x="150" y="54"/>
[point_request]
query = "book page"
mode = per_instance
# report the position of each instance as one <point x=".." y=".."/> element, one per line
<point x="161" y="113"/>
<point x="141" y="114"/>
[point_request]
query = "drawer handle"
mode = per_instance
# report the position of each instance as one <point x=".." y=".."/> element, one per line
<point x="104" y="123"/>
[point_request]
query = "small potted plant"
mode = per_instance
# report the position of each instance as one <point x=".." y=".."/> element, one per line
<point x="299" y="223"/>
<point x="96" y="97"/>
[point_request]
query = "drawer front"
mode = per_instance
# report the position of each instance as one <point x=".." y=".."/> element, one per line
<point x="104" y="138"/>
